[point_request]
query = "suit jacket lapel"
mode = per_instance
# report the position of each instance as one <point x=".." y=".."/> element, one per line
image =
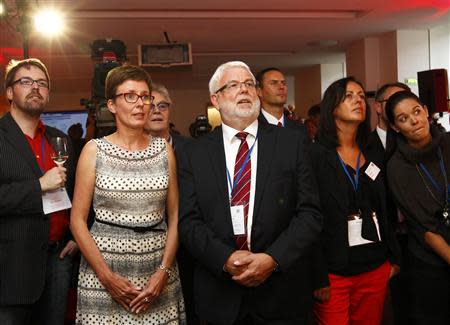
<point x="17" y="140"/>
<point x="267" y="141"/>
<point x="216" y="153"/>
<point x="334" y="165"/>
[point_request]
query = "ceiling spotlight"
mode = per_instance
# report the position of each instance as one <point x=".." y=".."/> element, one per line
<point x="2" y="8"/>
<point x="49" y="22"/>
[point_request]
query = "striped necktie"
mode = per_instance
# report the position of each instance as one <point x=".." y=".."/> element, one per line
<point x="241" y="189"/>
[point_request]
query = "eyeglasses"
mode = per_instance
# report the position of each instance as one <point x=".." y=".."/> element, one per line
<point x="28" y="82"/>
<point x="235" y="86"/>
<point x="162" y="106"/>
<point x="382" y="101"/>
<point x="133" y="98"/>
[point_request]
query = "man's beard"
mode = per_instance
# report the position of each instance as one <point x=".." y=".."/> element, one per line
<point x="31" y="107"/>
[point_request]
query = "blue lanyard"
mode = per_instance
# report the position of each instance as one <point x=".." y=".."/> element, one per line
<point x="241" y="170"/>
<point x="42" y="165"/>
<point x="436" y="186"/>
<point x="353" y="181"/>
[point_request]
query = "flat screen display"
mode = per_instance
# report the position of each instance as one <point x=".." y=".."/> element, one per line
<point x="63" y="120"/>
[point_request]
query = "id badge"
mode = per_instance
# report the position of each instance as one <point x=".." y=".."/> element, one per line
<point x="237" y="219"/>
<point x="354" y="231"/>
<point x="372" y="171"/>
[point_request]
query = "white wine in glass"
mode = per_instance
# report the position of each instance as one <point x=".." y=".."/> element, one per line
<point x="60" y="153"/>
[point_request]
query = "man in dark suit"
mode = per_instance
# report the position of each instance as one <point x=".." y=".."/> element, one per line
<point x="248" y="212"/>
<point x="382" y="140"/>
<point x="272" y="91"/>
<point x="158" y="125"/>
<point x="35" y="250"/>
<point x="381" y="145"/>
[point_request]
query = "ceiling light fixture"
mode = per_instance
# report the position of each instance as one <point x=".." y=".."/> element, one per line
<point x="218" y="14"/>
<point x="49" y="22"/>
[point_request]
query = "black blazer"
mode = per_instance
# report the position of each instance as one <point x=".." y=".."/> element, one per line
<point x="286" y="221"/>
<point x="290" y="125"/>
<point x="334" y="207"/>
<point x="375" y="148"/>
<point x="381" y="156"/>
<point x="24" y="229"/>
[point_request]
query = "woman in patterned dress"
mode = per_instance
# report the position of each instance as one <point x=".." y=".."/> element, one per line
<point x="128" y="273"/>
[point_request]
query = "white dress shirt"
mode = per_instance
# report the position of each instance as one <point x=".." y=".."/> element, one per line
<point x="272" y="119"/>
<point x="231" y="146"/>
<point x="383" y="135"/>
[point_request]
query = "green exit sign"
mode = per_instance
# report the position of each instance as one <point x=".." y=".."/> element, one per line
<point x="411" y="81"/>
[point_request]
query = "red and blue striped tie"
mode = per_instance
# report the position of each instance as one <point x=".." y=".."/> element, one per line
<point x="241" y="189"/>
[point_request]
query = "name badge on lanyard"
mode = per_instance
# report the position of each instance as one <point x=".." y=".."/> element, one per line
<point x="237" y="210"/>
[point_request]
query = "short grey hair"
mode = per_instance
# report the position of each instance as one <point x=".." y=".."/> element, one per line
<point x="159" y="88"/>
<point x="214" y="81"/>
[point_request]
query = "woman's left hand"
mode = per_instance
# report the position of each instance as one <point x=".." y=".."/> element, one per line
<point x="395" y="269"/>
<point x="152" y="290"/>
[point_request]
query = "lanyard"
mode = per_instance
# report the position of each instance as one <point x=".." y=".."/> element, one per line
<point x="42" y="164"/>
<point x="444" y="174"/>
<point x="353" y="181"/>
<point x="241" y="170"/>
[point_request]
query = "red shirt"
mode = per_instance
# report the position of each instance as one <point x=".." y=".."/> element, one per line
<point x="59" y="221"/>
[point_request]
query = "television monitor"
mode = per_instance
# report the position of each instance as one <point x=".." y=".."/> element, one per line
<point x="63" y="120"/>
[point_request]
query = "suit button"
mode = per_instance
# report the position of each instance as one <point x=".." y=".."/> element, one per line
<point x="44" y="247"/>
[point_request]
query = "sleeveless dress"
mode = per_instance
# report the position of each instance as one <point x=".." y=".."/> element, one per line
<point x="130" y="191"/>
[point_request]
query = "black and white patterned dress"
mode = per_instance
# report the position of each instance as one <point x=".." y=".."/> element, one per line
<point x="130" y="190"/>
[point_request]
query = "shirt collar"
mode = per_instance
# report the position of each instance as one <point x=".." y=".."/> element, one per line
<point x="40" y="129"/>
<point x="382" y="134"/>
<point x="272" y="119"/>
<point x="229" y="133"/>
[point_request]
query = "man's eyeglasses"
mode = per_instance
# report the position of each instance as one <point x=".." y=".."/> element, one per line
<point x="133" y="98"/>
<point x="28" y="82"/>
<point x="235" y="86"/>
<point x="162" y="106"/>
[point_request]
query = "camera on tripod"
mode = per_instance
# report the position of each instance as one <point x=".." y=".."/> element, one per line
<point x="108" y="54"/>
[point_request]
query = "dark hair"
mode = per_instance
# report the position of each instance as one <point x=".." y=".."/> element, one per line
<point x="379" y="95"/>
<point x="395" y="99"/>
<point x="333" y="96"/>
<point x="14" y="65"/>
<point x="119" y="75"/>
<point x="314" y="110"/>
<point x="260" y="75"/>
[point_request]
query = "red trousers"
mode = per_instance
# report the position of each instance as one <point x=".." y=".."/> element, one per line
<point x="355" y="300"/>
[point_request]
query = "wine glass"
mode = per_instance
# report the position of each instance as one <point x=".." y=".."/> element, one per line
<point x="60" y="153"/>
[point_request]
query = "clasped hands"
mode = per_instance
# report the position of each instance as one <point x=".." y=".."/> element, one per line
<point x="249" y="269"/>
<point x="131" y="297"/>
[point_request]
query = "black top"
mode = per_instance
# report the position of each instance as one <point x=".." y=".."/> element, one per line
<point x="413" y="197"/>
<point x="338" y="201"/>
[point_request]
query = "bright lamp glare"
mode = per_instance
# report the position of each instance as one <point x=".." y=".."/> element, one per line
<point x="2" y="8"/>
<point x="49" y="22"/>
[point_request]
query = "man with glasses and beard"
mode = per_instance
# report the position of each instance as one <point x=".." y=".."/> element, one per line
<point x="35" y="249"/>
<point x="248" y="212"/>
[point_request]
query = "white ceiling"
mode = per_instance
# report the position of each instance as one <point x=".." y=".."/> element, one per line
<point x="262" y="33"/>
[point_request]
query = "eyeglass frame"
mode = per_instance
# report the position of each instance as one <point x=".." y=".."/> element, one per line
<point x="152" y="98"/>
<point x="20" y="81"/>
<point x="240" y="83"/>
<point x="153" y="106"/>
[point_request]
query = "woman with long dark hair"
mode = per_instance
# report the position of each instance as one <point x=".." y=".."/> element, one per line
<point x="419" y="174"/>
<point x="357" y="242"/>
